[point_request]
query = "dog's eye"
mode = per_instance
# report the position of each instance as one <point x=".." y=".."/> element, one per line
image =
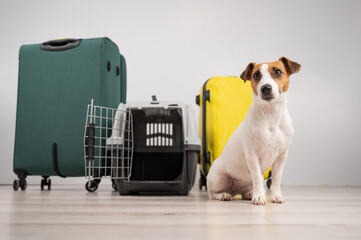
<point x="256" y="75"/>
<point x="278" y="72"/>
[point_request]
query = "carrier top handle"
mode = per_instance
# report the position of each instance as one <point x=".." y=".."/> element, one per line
<point x="55" y="161"/>
<point x="154" y="100"/>
<point x="60" y="44"/>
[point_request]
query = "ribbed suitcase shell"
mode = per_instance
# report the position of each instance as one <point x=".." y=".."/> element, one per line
<point x="54" y="89"/>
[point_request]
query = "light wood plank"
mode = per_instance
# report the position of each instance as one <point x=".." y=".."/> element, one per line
<point x="68" y="211"/>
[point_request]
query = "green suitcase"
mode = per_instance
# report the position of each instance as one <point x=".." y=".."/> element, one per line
<point x="57" y="80"/>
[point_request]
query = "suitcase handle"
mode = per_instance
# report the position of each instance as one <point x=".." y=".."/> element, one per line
<point x="60" y="44"/>
<point x="206" y="156"/>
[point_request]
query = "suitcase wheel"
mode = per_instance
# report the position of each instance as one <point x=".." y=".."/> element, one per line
<point x="45" y="182"/>
<point x="16" y="184"/>
<point x="21" y="181"/>
<point x="202" y="182"/>
<point x="23" y="185"/>
<point x="91" y="186"/>
<point x="49" y="184"/>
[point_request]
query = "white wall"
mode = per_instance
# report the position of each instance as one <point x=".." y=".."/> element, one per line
<point x="172" y="47"/>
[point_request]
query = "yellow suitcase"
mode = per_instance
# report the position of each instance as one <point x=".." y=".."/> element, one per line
<point x="223" y="102"/>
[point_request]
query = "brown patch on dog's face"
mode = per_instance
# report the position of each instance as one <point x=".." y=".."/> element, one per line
<point x="291" y="67"/>
<point x="252" y="74"/>
<point x="256" y="78"/>
<point x="278" y="72"/>
<point x="247" y="74"/>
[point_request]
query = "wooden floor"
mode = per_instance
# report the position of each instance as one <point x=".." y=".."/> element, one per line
<point x="68" y="212"/>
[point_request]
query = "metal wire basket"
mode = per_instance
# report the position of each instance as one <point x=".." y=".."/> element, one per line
<point x="108" y="144"/>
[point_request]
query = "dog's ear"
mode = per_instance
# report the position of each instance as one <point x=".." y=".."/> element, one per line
<point x="291" y="67"/>
<point x="247" y="74"/>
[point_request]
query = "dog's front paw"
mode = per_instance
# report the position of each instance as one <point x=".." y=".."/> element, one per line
<point x="277" y="197"/>
<point x="259" y="199"/>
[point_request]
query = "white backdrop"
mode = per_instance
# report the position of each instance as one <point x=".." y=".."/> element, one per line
<point x="172" y="47"/>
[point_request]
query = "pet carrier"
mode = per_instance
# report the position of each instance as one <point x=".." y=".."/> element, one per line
<point x="152" y="148"/>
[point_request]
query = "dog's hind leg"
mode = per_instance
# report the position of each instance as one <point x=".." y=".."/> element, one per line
<point x="221" y="196"/>
<point x="218" y="186"/>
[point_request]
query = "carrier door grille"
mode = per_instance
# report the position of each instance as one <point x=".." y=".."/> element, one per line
<point x="159" y="134"/>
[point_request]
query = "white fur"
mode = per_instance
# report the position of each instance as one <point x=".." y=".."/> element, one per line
<point x="267" y="79"/>
<point x="260" y="141"/>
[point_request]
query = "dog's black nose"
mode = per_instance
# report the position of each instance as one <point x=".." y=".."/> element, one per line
<point x="266" y="89"/>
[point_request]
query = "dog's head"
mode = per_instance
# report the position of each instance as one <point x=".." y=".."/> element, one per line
<point x="270" y="80"/>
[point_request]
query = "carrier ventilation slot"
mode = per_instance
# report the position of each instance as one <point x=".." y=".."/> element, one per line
<point x="159" y="134"/>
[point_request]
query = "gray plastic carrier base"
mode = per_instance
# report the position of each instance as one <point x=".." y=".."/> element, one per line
<point x="177" y="187"/>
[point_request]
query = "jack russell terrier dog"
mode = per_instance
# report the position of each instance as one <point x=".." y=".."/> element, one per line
<point x="261" y="141"/>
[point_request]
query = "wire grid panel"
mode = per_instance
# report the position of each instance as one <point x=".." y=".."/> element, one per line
<point x="108" y="142"/>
